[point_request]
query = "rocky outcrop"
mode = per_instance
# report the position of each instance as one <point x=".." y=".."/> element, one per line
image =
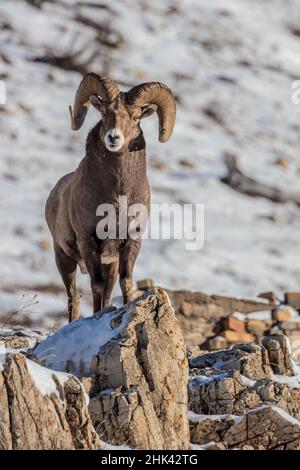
<point x="246" y="397"/>
<point x="222" y="394"/>
<point x="18" y="338"/>
<point x="207" y="429"/>
<point x="144" y="390"/>
<point x="42" y="409"/>
<point x="251" y="360"/>
<point x="264" y="428"/>
<point x="136" y="359"/>
<point x="200" y="315"/>
<point x="278" y="350"/>
<point x="216" y="322"/>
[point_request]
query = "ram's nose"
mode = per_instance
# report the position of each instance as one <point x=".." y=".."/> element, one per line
<point x="114" y="138"/>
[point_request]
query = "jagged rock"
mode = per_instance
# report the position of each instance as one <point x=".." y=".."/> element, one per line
<point x="267" y="427"/>
<point x="217" y="343"/>
<point x="294" y="338"/>
<point x="278" y="350"/>
<point x="248" y="447"/>
<point x="234" y="324"/>
<point x="281" y="394"/>
<point x="292" y="299"/>
<point x="15" y="342"/>
<point x="291" y="325"/>
<point x="206" y="429"/>
<point x="249" y="359"/>
<point x="137" y="360"/>
<point x="236" y="400"/>
<point x="87" y="384"/>
<point x="225" y="393"/>
<point x="199" y="314"/>
<point x="127" y="417"/>
<point x="148" y="405"/>
<point x="238" y="379"/>
<point x="144" y="284"/>
<point x="282" y="314"/>
<point x="234" y="337"/>
<point x="215" y="446"/>
<point x="42" y="409"/>
<point x="257" y="327"/>
<point x="270" y="296"/>
<point x="194" y="351"/>
<point x="19" y="338"/>
<point x="228" y="394"/>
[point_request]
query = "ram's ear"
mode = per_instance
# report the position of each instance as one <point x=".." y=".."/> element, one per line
<point x="97" y="103"/>
<point x="148" y="109"/>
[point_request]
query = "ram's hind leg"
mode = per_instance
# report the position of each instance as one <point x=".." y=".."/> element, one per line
<point x="67" y="268"/>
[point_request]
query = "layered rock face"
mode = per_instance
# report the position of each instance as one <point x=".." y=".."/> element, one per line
<point x="137" y="368"/>
<point x="216" y="322"/>
<point x="201" y="315"/>
<point x="247" y="397"/>
<point x="125" y="377"/>
<point x="264" y="428"/>
<point x="42" y="409"/>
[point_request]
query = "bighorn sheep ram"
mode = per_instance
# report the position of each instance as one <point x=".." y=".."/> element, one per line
<point x="114" y="165"/>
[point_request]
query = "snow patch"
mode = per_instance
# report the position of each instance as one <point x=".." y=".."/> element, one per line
<point x="257" y="300"/>
<point x="2" y="358"/>
<point x="202" y="446"/>
<point x="31" y="337"/>
<point x="107" y="446"/>
<point x="198" y="446"/>
<point x="248" y="382"/>
<point x="291" y="310"/>
<point x="79" y="341"/>
<point x="199" y="380"/>
<point x="286" y="415"/>
<point x="278" y="410"/>
<point x="43" y="378"/>
<point x="198" y="418"/>
<point x="292" y="382"/>
<point x="6" y="332"/>
<point x="263" y="315"/>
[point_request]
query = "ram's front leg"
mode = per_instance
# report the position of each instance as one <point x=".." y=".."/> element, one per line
<point x="128" y="256"/>
<point x="90" y="253"/>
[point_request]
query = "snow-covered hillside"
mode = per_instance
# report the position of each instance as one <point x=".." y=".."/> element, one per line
<point x="230" y="64"/>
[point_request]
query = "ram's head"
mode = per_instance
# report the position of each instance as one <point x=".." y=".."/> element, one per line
<point x="122" y="112"/>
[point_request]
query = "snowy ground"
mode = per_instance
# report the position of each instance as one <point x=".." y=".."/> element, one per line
<point x="236" y="58"/>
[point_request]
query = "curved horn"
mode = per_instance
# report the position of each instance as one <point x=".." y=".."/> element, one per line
<point x="91" y="84"/>
<point x="160" y="95"/>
